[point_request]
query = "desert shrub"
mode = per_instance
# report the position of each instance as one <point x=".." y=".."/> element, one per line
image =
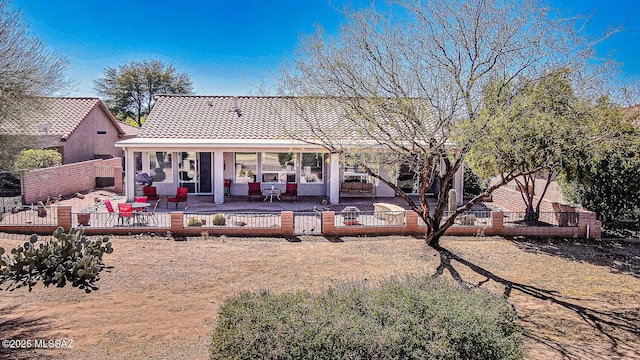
<point x="416" y="318"/>
<point x="219" y="219"/>
<point x="65" y="257"/>
<point x="37" y="159"/>
<point x="194" y="221"/>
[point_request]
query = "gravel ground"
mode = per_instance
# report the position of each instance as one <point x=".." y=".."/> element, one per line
<point x="158" y="298"/>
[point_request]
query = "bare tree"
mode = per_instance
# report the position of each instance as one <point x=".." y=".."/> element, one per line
<point x="130" y="89"/>
<point x="409" y="78"/>
<point x="28" y="70"/>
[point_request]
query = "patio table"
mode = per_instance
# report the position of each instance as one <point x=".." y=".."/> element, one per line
<point x="269" y="193"/>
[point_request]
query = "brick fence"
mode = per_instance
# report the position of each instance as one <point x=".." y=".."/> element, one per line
<point x="40" y="184"/>
<point x="587" y="227"/>
<point x="511" y="200"/>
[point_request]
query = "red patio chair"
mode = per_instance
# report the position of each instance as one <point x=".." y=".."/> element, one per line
<point x="151" y="216"/>
<point x="255" y="189"/>
<point x="125" y="213"/>
<point x="141" y="200"/>
<point x="150" y="192"/>
<point x="181" y="196"/>
<point x="110" y="209"/>
<point x="291" y="190"/>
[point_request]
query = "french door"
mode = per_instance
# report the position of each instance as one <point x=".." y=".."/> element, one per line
<point x="194" y="172"/>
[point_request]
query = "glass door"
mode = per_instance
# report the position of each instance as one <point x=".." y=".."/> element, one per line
<point x="194" y="172"/>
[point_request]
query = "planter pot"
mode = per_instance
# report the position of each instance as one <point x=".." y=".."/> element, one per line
<point x="83" y="219"/>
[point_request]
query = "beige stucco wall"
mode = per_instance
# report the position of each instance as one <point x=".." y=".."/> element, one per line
<point x="85" y="143"/>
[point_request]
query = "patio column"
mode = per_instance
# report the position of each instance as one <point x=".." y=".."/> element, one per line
<point x="459" y="184"/>
<point x="218" y="177"/>
<point x="130" y="173"/>
<point x="334" y="181"/>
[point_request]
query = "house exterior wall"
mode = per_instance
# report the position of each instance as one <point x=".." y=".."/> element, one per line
<point x="86" y="144"/>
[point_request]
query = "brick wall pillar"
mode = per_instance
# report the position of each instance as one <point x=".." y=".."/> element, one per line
<point x="497" y="219"/>
<point x="328" y="223"/>
<point x="588" y="219"/>
<point x="286" y="223"/>
<point x="412" y="222"/>
<point x="64" y="217"/>
<point x="118" y="186"/>
<point x="177" y="222"/>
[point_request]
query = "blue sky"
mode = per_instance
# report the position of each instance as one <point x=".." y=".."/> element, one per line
<point x="230" y="47"/>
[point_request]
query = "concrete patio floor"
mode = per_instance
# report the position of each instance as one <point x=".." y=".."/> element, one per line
<point x="204" y="203"/>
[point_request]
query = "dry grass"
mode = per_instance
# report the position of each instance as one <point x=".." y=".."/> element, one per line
<point x="159" y="297"/>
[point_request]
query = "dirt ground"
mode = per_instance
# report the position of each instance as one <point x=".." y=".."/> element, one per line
<point x="158" y="298"/>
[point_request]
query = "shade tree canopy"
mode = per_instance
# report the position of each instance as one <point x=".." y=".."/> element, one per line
<point x="539" y="129"/>
<point x="130" y="89"/>
<point x="410" y="78"/>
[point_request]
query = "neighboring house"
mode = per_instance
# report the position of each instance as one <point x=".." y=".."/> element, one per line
<point x="203" y="142"/>
<point x="79" y="128"/>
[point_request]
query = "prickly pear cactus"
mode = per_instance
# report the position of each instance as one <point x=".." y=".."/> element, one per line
<point x="453" y="200"/>
<point x="63" y="258"/>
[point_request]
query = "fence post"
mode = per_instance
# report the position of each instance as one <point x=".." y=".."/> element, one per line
<point x="286" y="223"/>
<point x="412" y="222"/>
<point x="328" y="223"/>
<point x="177" y="222"/>
<point x="497" y="219"/>
<point x="118" y="183"/>
<point x="64" y="217"/>
<point x="587" y="219"/>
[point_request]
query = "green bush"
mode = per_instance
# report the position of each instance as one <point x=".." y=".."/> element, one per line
<point x="219" y="219"/>
<point x="194" y="221"/>
<point x="37" y="159"/>
<point x="65" y="257"/>
<point x="418" y="318"/>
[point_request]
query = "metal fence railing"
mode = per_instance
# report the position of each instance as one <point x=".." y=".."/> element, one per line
<point x="30" y="216"/>
<point x="564" y="219"/>
<point x="370" y="218"/>
<point x="234" y="220"/>
<point x="136" y="219"/>
<point x="471" y="218"/>
<point x="468" y="218"/>
<point x="307" y="223"/>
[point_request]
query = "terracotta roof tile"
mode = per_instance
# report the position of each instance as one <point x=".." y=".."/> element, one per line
<point x="215" y="117"/>
<point x="58" y="116"/>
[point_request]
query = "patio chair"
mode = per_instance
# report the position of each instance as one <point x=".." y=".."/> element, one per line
<point x="151" y="216"/>
<point x="125" y="214"/>
<point x="141" y="200"/>
<point x="255" y="189"/>
<point x="110" y="209"/>
<point x="291" y="190"/>
<point x="150" y="192"/>
<point x="181" y="196"/>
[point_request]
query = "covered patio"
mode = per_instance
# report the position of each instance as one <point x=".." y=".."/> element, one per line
<point x="203" y="203"/>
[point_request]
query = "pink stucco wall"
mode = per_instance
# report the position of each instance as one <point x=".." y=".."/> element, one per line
<point x="86" y="144"/>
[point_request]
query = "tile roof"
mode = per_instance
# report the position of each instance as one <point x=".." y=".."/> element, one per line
<point x="216" y="117"/>
<point x="58" y="116"/>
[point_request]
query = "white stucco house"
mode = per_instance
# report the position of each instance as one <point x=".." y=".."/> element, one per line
<point x="201" y="142"/>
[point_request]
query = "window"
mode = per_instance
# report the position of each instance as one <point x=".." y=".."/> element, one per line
<point x="101" y="132"/>
<point x="312" y="165"/>
<point x="278" y="167"/>
<point x="161" y="167"/>
<point x="357" y="173"/>
<point x="246" y="165"/>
